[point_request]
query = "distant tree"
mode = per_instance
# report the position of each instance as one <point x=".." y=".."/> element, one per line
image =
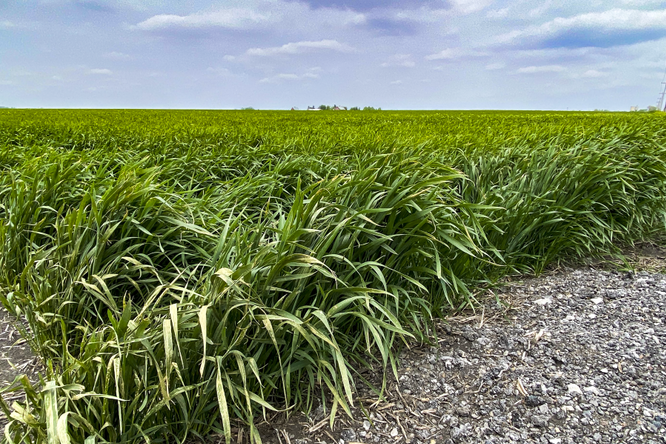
<point x="249" y="108"/>
<point x="354" y="108"/>
<point x="324" y="107"/>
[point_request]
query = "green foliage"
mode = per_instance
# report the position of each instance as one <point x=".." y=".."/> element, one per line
<point x="179" y="270"/>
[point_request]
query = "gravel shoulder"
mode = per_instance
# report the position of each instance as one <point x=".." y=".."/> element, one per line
<point x="577" y="358"/>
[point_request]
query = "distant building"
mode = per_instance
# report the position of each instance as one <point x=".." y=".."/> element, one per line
<point x="633" y="108"/>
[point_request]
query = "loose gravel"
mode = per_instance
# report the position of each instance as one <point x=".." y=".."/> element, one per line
<point x="577" y="359"/>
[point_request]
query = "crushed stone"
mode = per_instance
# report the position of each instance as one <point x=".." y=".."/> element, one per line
<point x="587" y="366"/>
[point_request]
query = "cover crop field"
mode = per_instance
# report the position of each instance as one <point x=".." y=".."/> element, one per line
<point x="180" y="270"/>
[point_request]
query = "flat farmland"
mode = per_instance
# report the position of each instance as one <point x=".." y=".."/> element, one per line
<point x="179" y="272"/>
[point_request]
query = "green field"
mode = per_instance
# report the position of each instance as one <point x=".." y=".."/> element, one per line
<point x="182" y="270"/>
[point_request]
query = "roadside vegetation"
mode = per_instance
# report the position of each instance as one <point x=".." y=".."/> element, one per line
<point x="180" y="270"/>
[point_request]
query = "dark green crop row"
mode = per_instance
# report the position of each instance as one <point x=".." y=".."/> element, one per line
<point x="179" y="270"/>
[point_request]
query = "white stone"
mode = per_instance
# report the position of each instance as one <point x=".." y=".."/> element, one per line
<point x="597" y="301"/>
<point x="592" y="389"/>
<point x="573" y="389"/>
<point x="543" y="301"/>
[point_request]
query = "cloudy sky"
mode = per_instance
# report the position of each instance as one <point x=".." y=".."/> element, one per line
<point x="275" y="54"/>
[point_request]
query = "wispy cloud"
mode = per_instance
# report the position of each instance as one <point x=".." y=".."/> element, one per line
<point x="233" y="18"/>
<point x="100" y="71"/>
<point x="257" y="15"/>
<point x="399" y="60"/>
<point x="495" y="66"/>
<point x="594" y="74"/>
<point x="369" y="5"/>
<point x="455" y="53"/>
<point x="221" y="72"/>
<point x="117" y="56"/>
<point x="470" y="6"/>
<point x="312" y="73"/>
<point x="634" y="3"/>
<point x="541" y="69"/>
<point x="6" y="24"/>
<point x="300" y="48"/>
<point x="497" y="13"/>
<point x="613" y="27"/>
<point x="541" y="9"/>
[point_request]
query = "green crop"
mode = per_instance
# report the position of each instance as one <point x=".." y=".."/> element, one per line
<point x="181" y="270"/>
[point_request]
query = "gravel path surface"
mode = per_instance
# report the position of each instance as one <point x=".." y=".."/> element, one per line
<point x="578" y="359"/>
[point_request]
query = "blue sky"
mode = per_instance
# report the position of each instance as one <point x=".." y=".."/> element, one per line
<point x="275" y="54"/>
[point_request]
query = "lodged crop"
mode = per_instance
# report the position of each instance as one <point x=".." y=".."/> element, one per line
<point x="178" y="271"/>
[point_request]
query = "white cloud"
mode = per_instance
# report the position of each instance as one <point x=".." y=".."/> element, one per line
<point x="455" y="53"/>
<point x="541" y="69"/>
<point x="6" y="82"/>
<point x="540" y="10"/>
<point x="396" y="82"/>
<point x="399" y="60"/>
<point x="300" y="48"/>
<point x="495" y="66"/>
<point x="6" y="24"/>
<point x="593" y="73"/>
<point x="607" y="21"/>
<point x="418" y="15"/>
<point x="233" y="18"/>
<point x="57" y="78"/>
<point x="117" y="56"/>
<point x="257" y="14"/>
<point x="498" y="13"/>
<point x="643" y="2"/>
<point x="470" y="6"/>
<point x="312" y="73"/>
<point x="278" y="77"/>
<point x="222" y="72"/>
<point x="229" y="58"/>
<point x="100" y="71"/>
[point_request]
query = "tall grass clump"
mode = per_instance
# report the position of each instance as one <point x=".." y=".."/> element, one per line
<point x="175" y="278"/>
